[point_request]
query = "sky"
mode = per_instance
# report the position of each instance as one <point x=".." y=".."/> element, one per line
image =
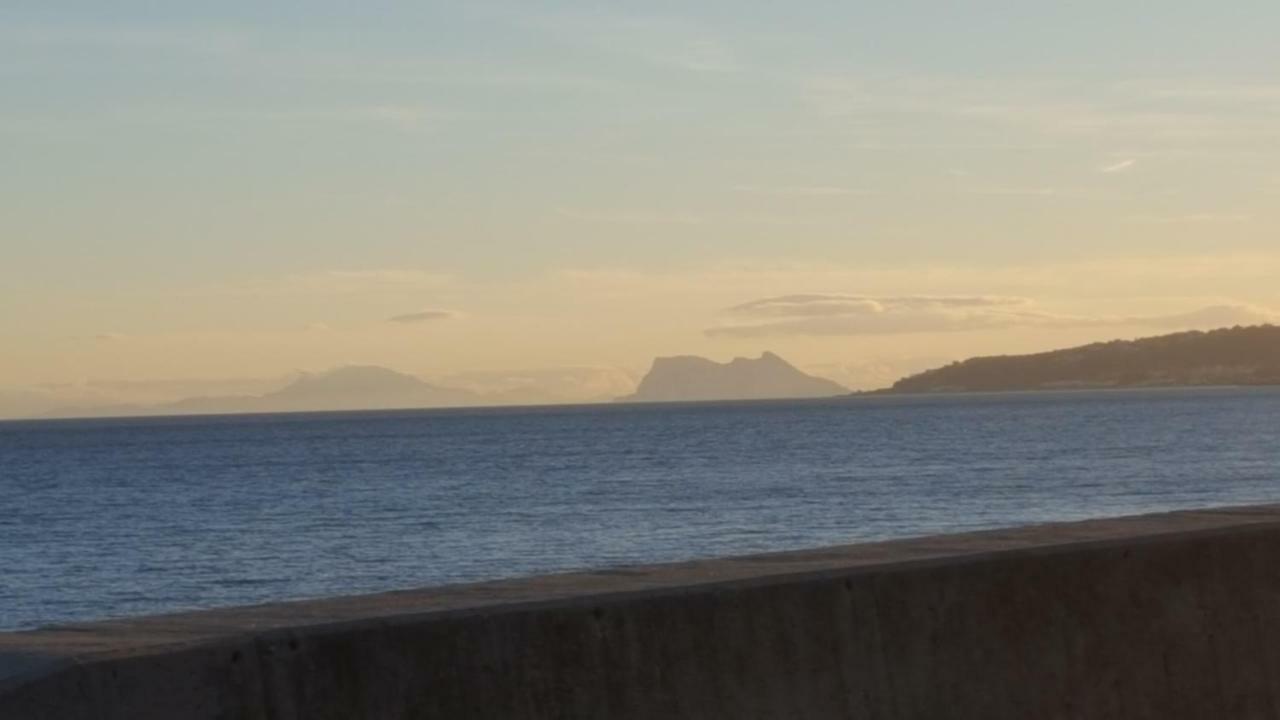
<point x="203" y="197"/>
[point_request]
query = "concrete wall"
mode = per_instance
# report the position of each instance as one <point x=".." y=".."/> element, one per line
<point x="1163" y="616"/>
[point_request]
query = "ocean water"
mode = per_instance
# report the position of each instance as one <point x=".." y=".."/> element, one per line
<point x="109" y="518"/>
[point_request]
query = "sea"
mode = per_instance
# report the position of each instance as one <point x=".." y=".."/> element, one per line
<point x="122" y="517"/>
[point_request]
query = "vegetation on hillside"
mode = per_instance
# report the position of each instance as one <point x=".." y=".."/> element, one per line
<point x="1232" y="356"/>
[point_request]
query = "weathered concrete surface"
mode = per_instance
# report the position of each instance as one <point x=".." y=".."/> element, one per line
<point x="1162" y="616"/>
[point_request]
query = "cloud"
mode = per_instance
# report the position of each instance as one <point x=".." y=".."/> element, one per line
<point x="1216" y="316"/>
<point x="828" y="305"/>
<point x="422" y="316"/>
<point x="850" y="315"/>
<point x="824" y="314"/>
<point x="1119" y="167"/>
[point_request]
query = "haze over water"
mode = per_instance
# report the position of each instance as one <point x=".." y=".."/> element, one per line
<point x="123" y="517"/>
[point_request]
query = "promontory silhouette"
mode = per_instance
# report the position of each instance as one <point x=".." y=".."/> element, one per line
<point x="1232" y="356"/>
<point x="688" y="378"/>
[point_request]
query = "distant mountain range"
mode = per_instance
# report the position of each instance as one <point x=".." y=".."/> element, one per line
<point x="354" y="387"/>
<point x="367" y="387"/>
<point x="1234" y="356"/>
<point x="688" y="378"/>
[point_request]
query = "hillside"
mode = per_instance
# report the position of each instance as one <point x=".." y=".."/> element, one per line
<point x="686" y="378"/>
<point x="1234" y="356"/>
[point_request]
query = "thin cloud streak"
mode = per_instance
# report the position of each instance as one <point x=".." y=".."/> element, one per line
<point x="851" y="315"/>
<point x="822" y="305"/>
<point x="1119" y="167"/>
<point x="422" y="316"/>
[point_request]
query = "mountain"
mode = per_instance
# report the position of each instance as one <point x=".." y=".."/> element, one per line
<point x="674" y="379"/>
<point x="354" y="387"/>
<point x="362" y="387"/>
<point x="1234" y="356"/>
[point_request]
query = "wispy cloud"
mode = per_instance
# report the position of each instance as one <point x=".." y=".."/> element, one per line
<point x="829" y="315"/>
<point x="1192" y="280"/>
<point x="823" y="305"/>
<point x="1215" y="316"/>
<point x="1118" y="167"/>
<point x="422" y="316"/>
<point x="826" y="314"/>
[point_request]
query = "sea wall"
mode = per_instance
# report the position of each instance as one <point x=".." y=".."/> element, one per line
<point x="1161" y="616"/>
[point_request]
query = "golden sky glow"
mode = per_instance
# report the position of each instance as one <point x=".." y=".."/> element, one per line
<point x="207" y="199"/>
